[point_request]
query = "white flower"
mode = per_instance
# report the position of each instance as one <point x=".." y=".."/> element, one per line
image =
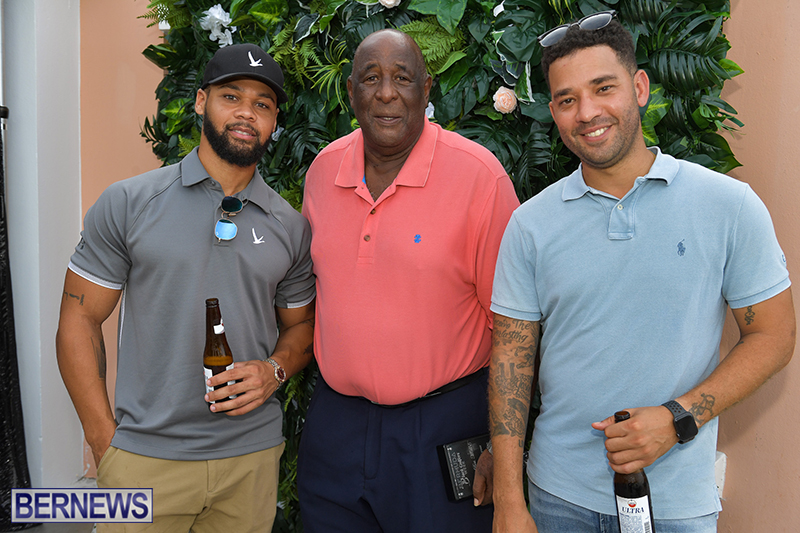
<point x="216" y="20"/>
<point x="499" y="8"/>
<point x="429" y="110"/>
<point x="505" y="100"/>
<point x="390" y="3"/>
<point x="215" y="16"/>
<point x="277" y="133"/>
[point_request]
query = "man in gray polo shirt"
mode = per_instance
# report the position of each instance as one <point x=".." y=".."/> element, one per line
<point x="628" y="266"/>
<point x="166" y="241"/>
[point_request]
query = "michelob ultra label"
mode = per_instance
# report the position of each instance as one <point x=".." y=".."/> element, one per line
<point x="634" y="515"/>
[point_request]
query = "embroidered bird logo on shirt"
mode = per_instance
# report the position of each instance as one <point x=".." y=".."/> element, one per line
<point x="257" y="240"/>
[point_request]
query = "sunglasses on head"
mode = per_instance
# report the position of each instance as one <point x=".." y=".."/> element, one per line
<point x="225" y="229"/>
<point x="595" y="21"/>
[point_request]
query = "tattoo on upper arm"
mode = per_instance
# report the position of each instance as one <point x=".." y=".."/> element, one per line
<point x="100" y="357"/>
<point x="749" y="315"/>
<point x="79" y="298"/>
<point x="703" y="411"/>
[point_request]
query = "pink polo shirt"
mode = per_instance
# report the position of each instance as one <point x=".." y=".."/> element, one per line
<point x="404" y="283"/>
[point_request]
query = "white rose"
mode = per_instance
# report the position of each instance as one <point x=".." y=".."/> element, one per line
<point x="429" y="110"/>
<point x="390" y="3"/>
<point x="505" y="101"/>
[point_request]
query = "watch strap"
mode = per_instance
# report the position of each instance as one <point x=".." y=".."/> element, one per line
<point x="676" y="408"/>
<point x="280" y="373"/>
<point x="683" y="420"/>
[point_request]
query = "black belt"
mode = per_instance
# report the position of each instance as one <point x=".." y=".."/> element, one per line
<point x="453" y="385"/>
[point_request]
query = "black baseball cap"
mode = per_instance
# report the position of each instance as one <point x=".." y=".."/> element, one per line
<point x="245" y="61"/>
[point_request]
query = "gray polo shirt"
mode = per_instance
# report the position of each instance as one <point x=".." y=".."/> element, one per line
<point x="153" y="237"/>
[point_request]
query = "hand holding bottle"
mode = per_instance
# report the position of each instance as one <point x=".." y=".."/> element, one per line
<point x="637" y="443"/>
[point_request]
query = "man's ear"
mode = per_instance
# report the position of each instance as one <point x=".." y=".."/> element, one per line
<point x="200" y="102"/>
<point x="641" y="84"/>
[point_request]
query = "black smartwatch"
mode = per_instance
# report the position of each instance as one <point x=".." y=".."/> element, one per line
<point x="685" y="426"/>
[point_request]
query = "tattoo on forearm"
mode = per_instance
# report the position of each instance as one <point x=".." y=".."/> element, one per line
<point x="309" y="349"/>
<point x="513" y="391"/>
<point x="511" y="377"/>
<point x="703" y="411"/>
<point x="79" y="298"/>
<point x="100" y="357"/>
<point x="749" y="315"/>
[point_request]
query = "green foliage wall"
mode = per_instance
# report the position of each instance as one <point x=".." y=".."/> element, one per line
<point x="472" y="49"/>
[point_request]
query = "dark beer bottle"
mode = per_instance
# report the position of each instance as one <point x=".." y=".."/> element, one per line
<point x="217" y="356"/>
<point x="632" y="491"/>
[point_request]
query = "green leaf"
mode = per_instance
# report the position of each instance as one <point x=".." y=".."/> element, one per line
<point x="523" y="88"/>
<point x="235" y="7"/>
<point x="303" y="28"/>
<point x="452" y="58"/>
<point x="718" y="149"/>
<point x="448" y="12"/>
<point x="176" y="108"/>
<point x="269" y="13"/>
<point x="478" y="28"/>
<point x="731" y="67"/>
<point x="657" y="108"/>
<point x="537" y="111"/>
<point x="452" y="76"/>
<point x="490" y="112"/>
<point x="517" y="44"/>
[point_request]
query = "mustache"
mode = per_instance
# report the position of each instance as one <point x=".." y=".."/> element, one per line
<point x="593" y="125"/>
<point x="243" y="126"/>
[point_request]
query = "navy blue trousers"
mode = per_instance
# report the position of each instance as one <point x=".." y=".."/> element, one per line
<point x="364" y="468"/>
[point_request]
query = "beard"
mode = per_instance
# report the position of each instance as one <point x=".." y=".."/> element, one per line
<point x="233" y="152"/>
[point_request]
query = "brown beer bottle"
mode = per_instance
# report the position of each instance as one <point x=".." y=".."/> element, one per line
<point x="217" y="356"/>
<point x="632" y="491"/>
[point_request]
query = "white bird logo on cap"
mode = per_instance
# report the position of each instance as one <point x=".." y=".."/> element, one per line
<point x="253" y="62"/>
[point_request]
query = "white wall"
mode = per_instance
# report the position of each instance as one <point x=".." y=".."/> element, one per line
<point x="41" y="40"/>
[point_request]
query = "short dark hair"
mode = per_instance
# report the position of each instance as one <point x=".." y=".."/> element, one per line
<point x="614" y="36"/>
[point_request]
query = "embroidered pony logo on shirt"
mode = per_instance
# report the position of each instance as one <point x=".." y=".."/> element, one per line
<point x="417" y="238"/>
<point x="681" y="248"/>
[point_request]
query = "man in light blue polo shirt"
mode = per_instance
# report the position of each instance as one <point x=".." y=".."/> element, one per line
<point x="627" y="267"/>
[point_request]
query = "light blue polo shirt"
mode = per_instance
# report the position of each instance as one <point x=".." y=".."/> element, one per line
<point x="631" y="294"/>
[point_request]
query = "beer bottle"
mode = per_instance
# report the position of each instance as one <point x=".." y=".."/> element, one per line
<point x="217" y="356"/>
<point x="632" y="491"/>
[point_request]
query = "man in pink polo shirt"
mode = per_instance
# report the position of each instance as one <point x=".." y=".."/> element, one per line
<point x="406" y="221"/>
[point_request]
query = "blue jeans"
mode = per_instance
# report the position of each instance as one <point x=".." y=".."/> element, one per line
<point x="554" y="515"/>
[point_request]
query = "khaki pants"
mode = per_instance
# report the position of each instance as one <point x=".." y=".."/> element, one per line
<point x="238" y="494"/>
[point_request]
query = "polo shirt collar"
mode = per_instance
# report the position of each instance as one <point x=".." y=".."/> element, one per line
<point x="257" y="191"/>
<point x="416" y="168"/>
<point x="664" y="168"/>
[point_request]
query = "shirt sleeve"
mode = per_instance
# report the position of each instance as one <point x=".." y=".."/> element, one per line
<point x="514" y="293"/>
<point x="298" y="287"/>
<point x="756" y="266"/>
<point x="493" y="223"/>
<point x="102" y="256"/>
